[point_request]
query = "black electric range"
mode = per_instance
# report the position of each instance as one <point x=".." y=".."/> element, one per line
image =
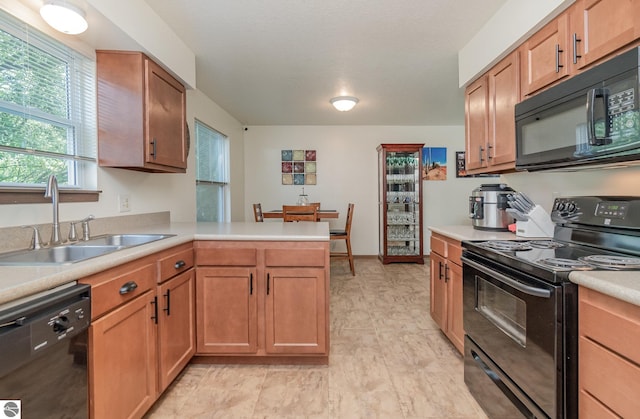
<point x="591" y="233"/>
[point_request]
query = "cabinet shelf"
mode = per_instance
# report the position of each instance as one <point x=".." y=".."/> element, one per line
<point x="400" y="195"/>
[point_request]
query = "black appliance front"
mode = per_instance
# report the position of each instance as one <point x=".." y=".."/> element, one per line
<point x="44" y="354"/>
<point x="591" y="118"/>
<point x="520" y="323"/>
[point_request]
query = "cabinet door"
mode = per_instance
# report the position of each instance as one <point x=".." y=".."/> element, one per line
<point x="476" y="123"/>
<point x="504" y="93"/>
<point x="438" y="294"/>
<point x="455" y="329"/>
<point x="545" y="56"/>
<point x="226" y="310"/>
<point x="296" y="311"/>
<point x="166" y="136"/>
<point x="176" y="326"/>
<point x="122" y="360"/>
<point x="601" y="27"/>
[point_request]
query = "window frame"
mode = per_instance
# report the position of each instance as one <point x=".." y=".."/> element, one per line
<point x="225" y="183"/>
<point x="81" y="121"/>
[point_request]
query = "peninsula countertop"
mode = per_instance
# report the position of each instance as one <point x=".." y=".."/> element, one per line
<point x="17" y="282"/>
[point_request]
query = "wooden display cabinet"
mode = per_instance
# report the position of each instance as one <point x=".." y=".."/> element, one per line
<point x="400" y="203"/>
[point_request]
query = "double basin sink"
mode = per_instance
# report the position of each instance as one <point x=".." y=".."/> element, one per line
<point x="79" y="251"/>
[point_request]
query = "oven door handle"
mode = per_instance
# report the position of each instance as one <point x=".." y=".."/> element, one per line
<point x="529" y="290"/>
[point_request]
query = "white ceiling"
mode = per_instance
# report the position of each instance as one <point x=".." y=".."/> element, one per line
<point x="278" y="62"/>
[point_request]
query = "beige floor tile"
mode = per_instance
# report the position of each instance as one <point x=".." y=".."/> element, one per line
<point x="388" y="360"/>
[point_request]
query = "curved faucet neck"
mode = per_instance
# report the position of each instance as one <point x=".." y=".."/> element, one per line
<point x="51" y="191"/>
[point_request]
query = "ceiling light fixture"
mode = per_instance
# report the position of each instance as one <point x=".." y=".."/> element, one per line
<point x="344" y="103"/>
<point x="64" y="17"/>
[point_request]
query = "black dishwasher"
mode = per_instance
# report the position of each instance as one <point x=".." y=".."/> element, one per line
<point x="43" y="342"/>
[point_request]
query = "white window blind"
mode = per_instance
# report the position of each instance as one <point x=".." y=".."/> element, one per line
<point x="47" y="110"/>
<point x="212" y="174"/>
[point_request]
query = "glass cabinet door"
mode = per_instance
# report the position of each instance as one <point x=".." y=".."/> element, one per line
<point x="401" y="214"/>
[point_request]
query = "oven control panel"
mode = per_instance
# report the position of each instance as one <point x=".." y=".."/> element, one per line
<point x="618" y="212"/>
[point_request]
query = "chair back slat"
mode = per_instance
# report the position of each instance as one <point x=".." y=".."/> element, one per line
<point x="299" y="213"/>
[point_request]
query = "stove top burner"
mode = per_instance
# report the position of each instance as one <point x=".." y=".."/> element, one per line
<point x="507" y="245"/>
<point x="612" y="262"/>
<point x="546" y="244"/>
<point x="565" y="264"/>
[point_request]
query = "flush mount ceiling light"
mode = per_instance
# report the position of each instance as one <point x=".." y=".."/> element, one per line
<point x="64" y="17"/>
<point x="344" y="103"/>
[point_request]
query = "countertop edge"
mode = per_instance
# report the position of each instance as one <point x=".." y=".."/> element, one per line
<point x="623" y="285"/>
<point x="23" y="281"/>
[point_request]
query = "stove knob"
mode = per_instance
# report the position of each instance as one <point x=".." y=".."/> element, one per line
<point x="60" y="324"/>
<point x="571" y="207"/>
<point x="561" y="206"/>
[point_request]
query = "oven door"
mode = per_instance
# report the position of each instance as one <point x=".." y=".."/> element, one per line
<point x="516" y="321"/>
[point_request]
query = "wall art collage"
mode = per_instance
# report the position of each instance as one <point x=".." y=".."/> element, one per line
<point x="299" y="167"/>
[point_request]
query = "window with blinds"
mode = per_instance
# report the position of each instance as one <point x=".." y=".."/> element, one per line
<point x="212" y="174"/>
<point x="47" y="110"/>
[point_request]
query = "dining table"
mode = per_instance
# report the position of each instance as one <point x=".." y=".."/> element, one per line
<point x="323" y="213"/>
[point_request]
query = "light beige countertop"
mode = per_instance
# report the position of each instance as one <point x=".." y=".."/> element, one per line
<point x="623" y="285"/>
<point x="467" y="232"/>
<point x="17" y="282"/>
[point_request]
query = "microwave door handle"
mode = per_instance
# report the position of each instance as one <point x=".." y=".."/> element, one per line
<point x="598" y="113"/>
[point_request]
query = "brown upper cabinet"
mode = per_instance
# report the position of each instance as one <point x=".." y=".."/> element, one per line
<point x="489" y="118"/>
<point x="582" y="35"/>
<point x="141" y="114"/>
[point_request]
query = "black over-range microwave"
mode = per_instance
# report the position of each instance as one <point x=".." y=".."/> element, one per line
<point x="591" y="118"/>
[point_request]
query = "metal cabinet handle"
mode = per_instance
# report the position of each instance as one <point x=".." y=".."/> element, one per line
<point x="446" y="273"/>
<point x="439" y="270"/>
<point x="575" y="48"/>
<point x="268" y="278"/>
<point x="168" y="297"/>
<point x="558" y="65"/>
<point x="489" y="156"/>
<point x="155" y="309"/>
<point x="251" y="283"/>
<point x="128" y="287"/>
<point x="481" y="149"/>
<point x="153" y="148"/>
<point x="180" y="264"/>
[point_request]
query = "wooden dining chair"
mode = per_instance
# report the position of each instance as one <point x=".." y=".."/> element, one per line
<point x="317" y="205"/>
<point x="257" y="213"/>
<point x="346" y="236"/>
<point x="299" y="213"/>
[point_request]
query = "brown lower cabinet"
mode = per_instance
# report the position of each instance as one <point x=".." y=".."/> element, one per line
<point x="142" y="333"/>
<point x="263" y="300"/>
<point x="608" y="357"/>
<point x="446" y="288"/>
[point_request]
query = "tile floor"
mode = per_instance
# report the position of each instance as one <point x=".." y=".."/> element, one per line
<point x="388" y="360"/>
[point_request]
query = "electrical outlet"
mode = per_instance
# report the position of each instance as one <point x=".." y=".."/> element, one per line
<point x="124" y="203"/>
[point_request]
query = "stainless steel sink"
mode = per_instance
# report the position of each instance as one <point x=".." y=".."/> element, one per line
<point x="59" y="255"/>
<point x="79" y="251"/>
<point x="126" y="240"/>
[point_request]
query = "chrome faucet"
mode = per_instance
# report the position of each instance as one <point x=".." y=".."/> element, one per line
<point x="52" y="192"/>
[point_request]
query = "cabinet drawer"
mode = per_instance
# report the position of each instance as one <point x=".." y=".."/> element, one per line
<point x="438" y="246"/>
<point x="173" y="263"/>
<point x="591" y="408"/>
<point x="454" y="252"/>
<point x="609" y="378"/>
<point x="112" y="288"/>
<point x="295" y="257"/>
<point x="613" y="323"/>
<point x="226" y="256"/>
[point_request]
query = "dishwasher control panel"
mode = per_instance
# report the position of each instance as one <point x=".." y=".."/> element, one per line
<point x="63" y="323"/>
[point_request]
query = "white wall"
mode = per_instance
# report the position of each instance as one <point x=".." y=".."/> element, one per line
<point x="347" y="172"/>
